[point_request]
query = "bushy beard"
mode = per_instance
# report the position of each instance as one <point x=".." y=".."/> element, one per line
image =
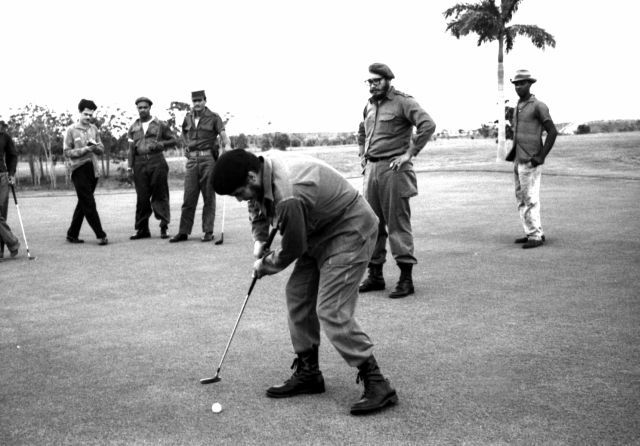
<point x="380" y="92"/>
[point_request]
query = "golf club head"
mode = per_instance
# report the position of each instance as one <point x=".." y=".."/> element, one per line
<point x="220" y="241"/>
<point x="215" y="379"/>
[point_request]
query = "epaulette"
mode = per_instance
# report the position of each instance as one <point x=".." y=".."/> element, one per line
<point x="404" y="95"/>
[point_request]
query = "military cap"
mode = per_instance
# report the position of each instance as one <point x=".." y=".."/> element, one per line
<point x="198" y="95"/>
<point x="144" y="99"/>
<point x="381" y="70"/>
<point x="523" y="75"/>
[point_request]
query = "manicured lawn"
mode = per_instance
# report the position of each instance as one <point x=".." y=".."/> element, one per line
<point x="105" y="345"/>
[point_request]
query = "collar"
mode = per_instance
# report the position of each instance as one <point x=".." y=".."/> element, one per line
<point x="267" y="184"/>
<point x="531" y="99"/>
<point x="205" y="112"/>
<point x="390" y="94"/>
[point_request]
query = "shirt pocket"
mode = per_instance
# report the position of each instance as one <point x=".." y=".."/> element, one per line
<point x="387" y="122"/>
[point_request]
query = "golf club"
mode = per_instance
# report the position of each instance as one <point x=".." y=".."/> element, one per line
<point x="15" y="200"/>
<point x="224" y="211"/>
<point x="217" y="378"/>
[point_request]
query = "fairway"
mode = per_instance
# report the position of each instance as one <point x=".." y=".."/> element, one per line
<point x="499" y="345"/>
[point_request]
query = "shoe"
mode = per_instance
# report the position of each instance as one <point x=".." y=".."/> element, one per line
<point x="140" y="234"/>
<point x="163" y="233"/>
<point x="378" y="392"/>
<point x="103" y="241"/>
<point x="74" y="240"/>
<point x="525" y="239"/>
<point x="374" y="281"/>
<point x="404" y="287"/>
<point x="178" y="238"/>
<point x="533" y="243"/>
<point x="207" y="237"/>
<point x="14" y="252"/>
<point x="306" y="379"/>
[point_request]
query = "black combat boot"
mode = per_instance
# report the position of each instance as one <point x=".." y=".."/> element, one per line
<point x="306" y="378"/>
<point x="404" y="287"/>
<point x="374" y="281"/>
<point x="378" y="393"/>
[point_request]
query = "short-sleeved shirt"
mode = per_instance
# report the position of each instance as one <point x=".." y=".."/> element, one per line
<point x="528" y="121"/>
<point x="205" y="133"/>
<point x="388" y="126"/>
<point x="315" y="209"/>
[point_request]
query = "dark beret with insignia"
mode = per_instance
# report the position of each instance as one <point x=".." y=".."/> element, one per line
<point x="381" y="70"/>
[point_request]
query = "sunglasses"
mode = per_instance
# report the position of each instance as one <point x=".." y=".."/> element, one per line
<point x="373" y="81"/>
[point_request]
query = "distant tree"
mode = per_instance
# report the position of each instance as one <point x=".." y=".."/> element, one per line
<point x="265" y="142"/>
<point x="583" y="129"/>
<point x="296" y="142"/>
<point x="281" y="141"/>
<point x="112" y="125"/>
<point x="489" y="21"/>
<point x="240" y="141"/>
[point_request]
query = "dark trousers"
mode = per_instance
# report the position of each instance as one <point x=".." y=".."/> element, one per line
<point x="85" y="182"/>
<point x="150" y="176"/>
<point x="198" y="179"/>
<point x="6" y="236"/>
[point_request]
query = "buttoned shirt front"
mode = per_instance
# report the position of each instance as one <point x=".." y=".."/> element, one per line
<point x="388" y="126"/>
<point x="316" y="210"/>
<point x="528" y="121"/>
<point x="203" y="135"/>
<point x="157" y="137"/>
<point x="76" y="140"/>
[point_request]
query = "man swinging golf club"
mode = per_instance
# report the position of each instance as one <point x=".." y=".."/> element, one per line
<point x="329" y="230"/>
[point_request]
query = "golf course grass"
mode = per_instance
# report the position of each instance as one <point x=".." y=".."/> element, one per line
<point x="499" y="345"/>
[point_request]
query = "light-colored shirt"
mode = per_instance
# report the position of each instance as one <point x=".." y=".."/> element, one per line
<point x="76" y="146"/>
<point x="316" y="210"/>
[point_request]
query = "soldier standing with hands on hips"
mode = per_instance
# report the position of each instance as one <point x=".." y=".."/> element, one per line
<point x="386" y="151"/>
<point x="82" y="145"/>
<point x="200" y="131"/>
<point x="148" y="138"/>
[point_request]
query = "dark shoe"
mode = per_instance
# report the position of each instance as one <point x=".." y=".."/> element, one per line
<point x="178" y="238"/>
<point x="374" y="281"/>
<point x="207" y="237"/>
<point x="140" y="234"/>
<point x="525" y="239"/>
<point x="532" y="243"/>
<point x="14" y="251"/>
<point x="306" y="378"/>
<point x="103" y="241"/>
<point x="74" y="240"/>
<point x="404" y="287"/>
<point x="163" y="233"/>
<point x="378" y="392"/>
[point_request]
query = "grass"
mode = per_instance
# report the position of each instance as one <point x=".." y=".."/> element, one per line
<point x="105" y="345"/>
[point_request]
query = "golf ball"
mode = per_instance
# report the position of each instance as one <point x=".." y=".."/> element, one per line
<point x="216" y="408"/>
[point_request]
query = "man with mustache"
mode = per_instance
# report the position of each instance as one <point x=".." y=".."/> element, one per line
<point x="386" y="150"/>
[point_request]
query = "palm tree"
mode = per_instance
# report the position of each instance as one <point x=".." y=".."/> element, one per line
<point x="489" y="21"/>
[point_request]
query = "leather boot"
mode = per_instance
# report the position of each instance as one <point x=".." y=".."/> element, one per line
<point x="404" y="287"/>
<point x="378" y="393"/>
<point x="306" y="378"/>
<point x="374" y="281"/>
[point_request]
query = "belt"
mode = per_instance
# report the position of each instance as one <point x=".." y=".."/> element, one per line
<point x="373" y="159"/>
<point x="148" y="156"/>
<point x="200" y="153"/>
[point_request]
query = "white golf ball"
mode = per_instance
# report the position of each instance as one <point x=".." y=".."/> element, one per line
<point x="216" y="408"/>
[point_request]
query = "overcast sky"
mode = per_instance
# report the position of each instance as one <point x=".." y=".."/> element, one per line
<point x="300" y="65"/>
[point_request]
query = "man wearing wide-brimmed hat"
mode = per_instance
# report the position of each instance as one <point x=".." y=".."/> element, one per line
<point x="528" y="154"/>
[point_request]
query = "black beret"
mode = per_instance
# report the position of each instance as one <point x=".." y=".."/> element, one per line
<point x="231" y="170"/>
<point x="381" y="70"/>
<point x="144" y="99"/>
<point x="198" y="95"/>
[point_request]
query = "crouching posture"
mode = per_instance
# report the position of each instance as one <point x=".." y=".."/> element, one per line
<point x="329" y="230"/>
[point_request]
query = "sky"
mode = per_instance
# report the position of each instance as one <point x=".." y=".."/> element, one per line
<point x="299" y="66"/>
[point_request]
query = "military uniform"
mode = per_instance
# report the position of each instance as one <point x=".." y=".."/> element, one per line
<point x="201" y="139"/>
<point x="386" y="133"/>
